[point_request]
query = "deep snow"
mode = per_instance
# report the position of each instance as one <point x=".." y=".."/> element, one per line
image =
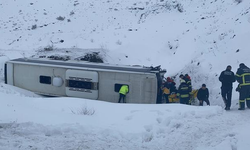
<point x="48" y="123"/>
<point x="202" y="40"/>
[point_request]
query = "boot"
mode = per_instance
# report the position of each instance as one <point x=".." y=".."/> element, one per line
<point x="241" y="108"/>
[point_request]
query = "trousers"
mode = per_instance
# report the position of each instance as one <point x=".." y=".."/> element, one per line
<point x="226" y="93"/>
<point x="122" y="97"/>
<point x="244" y="96"/>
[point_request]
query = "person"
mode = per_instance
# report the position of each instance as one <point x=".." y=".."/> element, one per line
<point x="243" y="78"/>
<point x="181" y="76"/>
<point x="170" y="84"/>
<point x="184" y="92"/>
<point x="203" y="95"/>
<point x="187" y="78"/>
<point x="227" y="78"/>
<point x="166" y="93"/>
<point x="169" y="88"/>
<point x="123" y="92"/>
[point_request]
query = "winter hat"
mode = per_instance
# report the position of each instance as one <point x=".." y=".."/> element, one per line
<point x="229" y="67"/>
<point x="242" y="65"/>
<point x="203" y="85"/>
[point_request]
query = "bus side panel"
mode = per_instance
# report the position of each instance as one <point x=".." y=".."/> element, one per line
<point x="9" y="73"/>
<point x="29" y="77"/>
<point x="142" y="87"/>
<point x="149" y="89"/>
<point x="106" y="87"/>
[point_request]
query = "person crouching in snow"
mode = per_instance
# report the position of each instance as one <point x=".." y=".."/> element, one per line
<point x="123" y="92"/>
<point x="203" y="95"/>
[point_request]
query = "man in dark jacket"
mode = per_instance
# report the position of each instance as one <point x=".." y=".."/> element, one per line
<point x="227" y="78"/>
<point x="243" y="77"/>
<point x="184" y="92"/>
<point x="203" y="95"/>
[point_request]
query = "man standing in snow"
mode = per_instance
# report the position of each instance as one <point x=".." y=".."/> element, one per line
<point x="203" y="95"/>
<point x="243" y="77"/>
<point x="123" y="92"/>
<point x="227" y="78"/>
<point x="184" y="92"/>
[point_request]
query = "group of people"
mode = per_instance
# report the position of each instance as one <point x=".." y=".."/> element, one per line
<point x="184" y="93"/>
<point x="227" y="78"/>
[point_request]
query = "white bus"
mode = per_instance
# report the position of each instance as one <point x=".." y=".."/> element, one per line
<point x="85" y="80"/>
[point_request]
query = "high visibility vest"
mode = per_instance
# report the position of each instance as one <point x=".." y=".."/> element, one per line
<point x="245" y="79"/>
<point x="166" y="90"/>
<point x="124" y="90"/>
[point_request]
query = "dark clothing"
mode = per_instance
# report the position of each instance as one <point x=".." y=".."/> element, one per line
<point x="226" y="93"/>
<point x="185" y="100"/>
<point x="171" y="86"/>
<point x="227" y="78"/>
<point x="243" y="76"/>
<point x="184" y="93"/>
<point x="188" y="81"/>
<point x="166" y="97"/>
<point x="206" y="100"/>
<point x="203" y="94"/>
<point x="122" y="97"/>
<point x="244" y="95"/>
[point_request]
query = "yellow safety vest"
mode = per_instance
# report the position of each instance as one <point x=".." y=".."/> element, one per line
<point x="124" y="90"/>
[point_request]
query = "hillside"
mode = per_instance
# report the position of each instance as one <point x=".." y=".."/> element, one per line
<point x="200" y="38"/>
<point x="183" y="36"/>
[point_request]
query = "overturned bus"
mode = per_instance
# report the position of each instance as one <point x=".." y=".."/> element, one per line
<point x="85" y="80"/>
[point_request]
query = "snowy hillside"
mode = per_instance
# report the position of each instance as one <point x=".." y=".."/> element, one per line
<point x="196" y="37"/>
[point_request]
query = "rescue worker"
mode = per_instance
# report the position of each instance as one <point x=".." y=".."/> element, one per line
<point x="243" y="78"/>
<point x="166" y="93"/>
<point x="187" y="78"/>
<point x="184" y="92"/>
<point x="227" y="78"/>
<point x="169" y="88"/>
<point x="123" y="92"/>
<point x="182" y="76"/>
<point x="170" y="84"/>
<point x="203" y="95"/>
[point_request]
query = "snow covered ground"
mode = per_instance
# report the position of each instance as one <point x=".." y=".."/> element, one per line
<point x="70" y="123"/>
<point x="196" y="37"/>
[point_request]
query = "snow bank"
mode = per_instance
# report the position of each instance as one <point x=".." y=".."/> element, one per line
<point x="48" y="123"/>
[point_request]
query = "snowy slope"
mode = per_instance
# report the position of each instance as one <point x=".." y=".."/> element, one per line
<point x="196" y="37"/>
<point x="38" y="123"/>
